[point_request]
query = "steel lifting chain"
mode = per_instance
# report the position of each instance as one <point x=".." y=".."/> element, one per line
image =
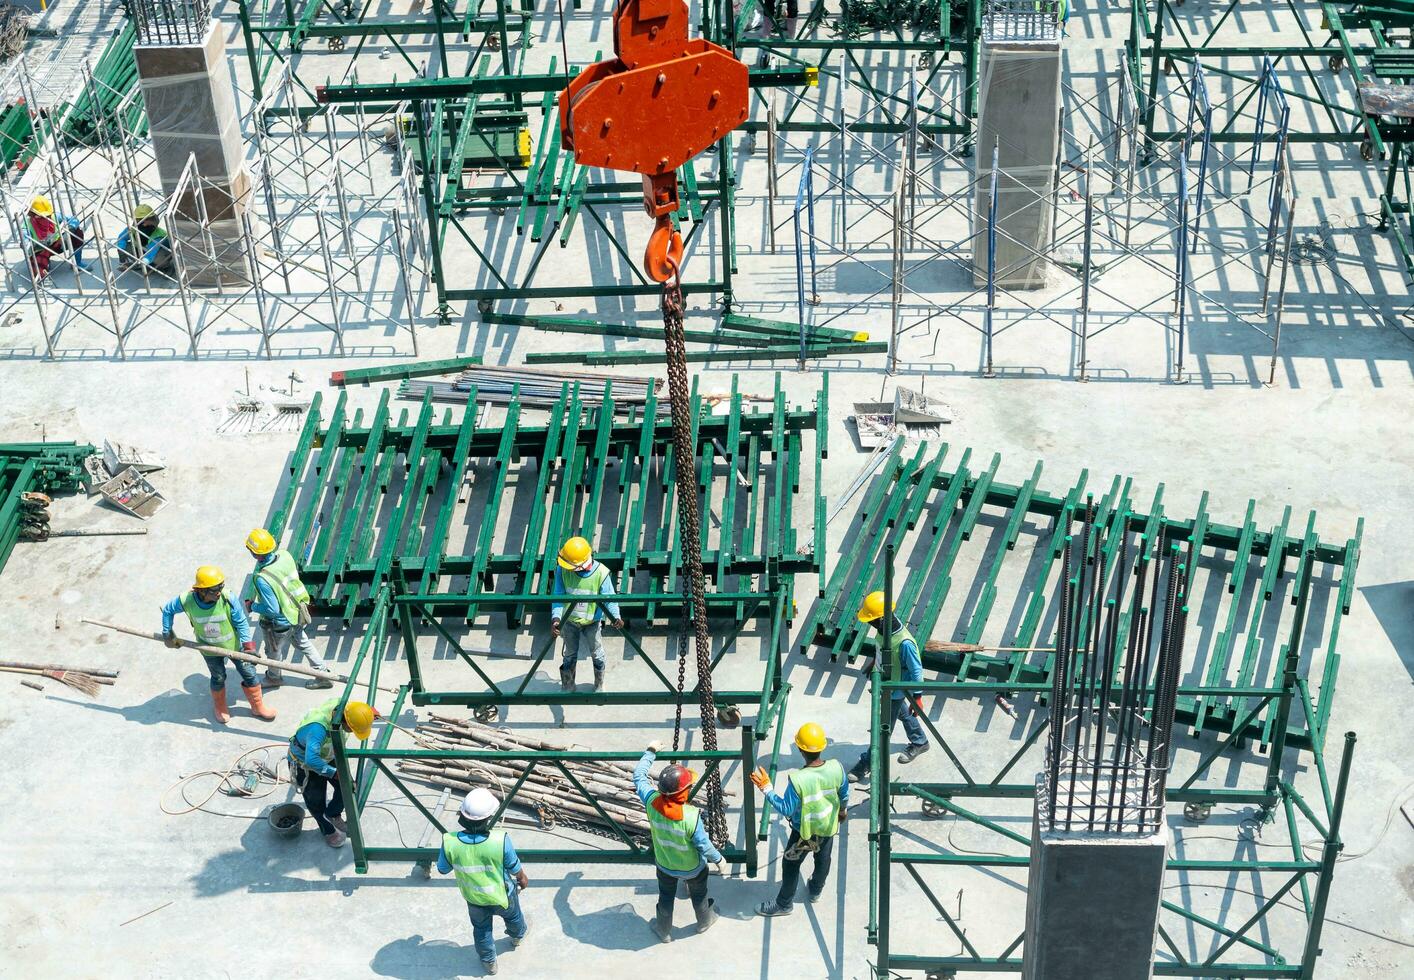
<point x="691" y="537"/>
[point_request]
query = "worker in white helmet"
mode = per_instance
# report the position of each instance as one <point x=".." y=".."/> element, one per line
<point x="488" y="873"/>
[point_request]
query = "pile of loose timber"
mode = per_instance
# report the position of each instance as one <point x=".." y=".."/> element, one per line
<point x="546" y="791"/>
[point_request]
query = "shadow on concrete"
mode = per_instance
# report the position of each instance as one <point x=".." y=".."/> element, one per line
<point x="265" y="862"/>
<point x="1391" y="603"/>
<point x="415" y="958"/>
<point x="616" y="927"/>
<point x="191" y="707"/>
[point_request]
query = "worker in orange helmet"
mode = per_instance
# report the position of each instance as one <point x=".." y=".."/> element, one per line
<point x="217" y="622"/>
<point x="682" y="850"/>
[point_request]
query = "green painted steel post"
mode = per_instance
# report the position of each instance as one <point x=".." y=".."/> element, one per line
<point x="748" y="796"/>
<point x="250" y="51"/>
<point x="1288" y="674"/>
<point x="1329" y="855"/>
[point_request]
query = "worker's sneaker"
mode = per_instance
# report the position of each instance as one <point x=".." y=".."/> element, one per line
<point x="771" y="908"/>
<point x="336" y="839"/>
<point x="338" y="823"/>
<point x="273" y="678"/>
<point x="911" y="753"/>
<point x="319" y="683"/>
<point x="860" y="774"/>
<point x="489" y="967"/>
<point x="813" y="897"/>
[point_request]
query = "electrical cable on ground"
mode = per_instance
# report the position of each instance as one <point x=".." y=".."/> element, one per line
<point x="228" y="781"/>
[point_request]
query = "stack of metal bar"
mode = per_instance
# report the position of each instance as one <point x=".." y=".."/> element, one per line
<point x="596" y="793"/>
<point x="499" y="385"/>
<point x="1116" y="676"/>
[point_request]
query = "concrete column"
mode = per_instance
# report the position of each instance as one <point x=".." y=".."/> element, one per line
<point x="191" y="109"/>
<point x="1019" y="93"/>
<point x="1092" y="902"/>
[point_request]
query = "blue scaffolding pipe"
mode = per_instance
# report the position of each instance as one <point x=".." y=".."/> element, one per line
<point x="1269" y="96"/>
<point x="1200" y="110"/>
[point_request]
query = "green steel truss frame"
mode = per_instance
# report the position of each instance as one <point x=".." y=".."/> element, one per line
<point x="375" y="508"/>
<point x="946" y="499"/>
<point x="1276" y="709"/>
<point x="374" y="503"/>
<point x="39" y="467"/>
<point x="360" y="768"/>
<point x="1354" y="36"/>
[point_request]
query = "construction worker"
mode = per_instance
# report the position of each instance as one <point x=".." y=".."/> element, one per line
<point x="282" y="603"/>
<point x="577" y="574"/>
<point x="218" y="622"/>
<point x="681" y="848"/>
<point x="815" y="804"/>
<point x="50" y="235"/>
<point x="488" y="873"/>
<point x="906" y="655"/>
<point x="145" y="242"/>
<point x="312" y="763"/>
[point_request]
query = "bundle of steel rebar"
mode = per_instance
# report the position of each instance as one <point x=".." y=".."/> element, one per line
<point x="1131" y="682"/>
<point x="546" y="788"/>
<point x="497" y="385"/>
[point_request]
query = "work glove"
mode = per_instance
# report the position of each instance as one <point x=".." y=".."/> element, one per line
<point x="617" y="624"/>
<point x="655" y="746"/>
<point x="761" y="779"/>
<point x="554" y="627"/>
<point x="718" y="867"/>
<point x="171" y="640"/>
<point x="248" y="646"/>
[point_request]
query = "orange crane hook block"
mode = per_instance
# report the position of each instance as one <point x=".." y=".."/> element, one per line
<point x="664" y="99"/>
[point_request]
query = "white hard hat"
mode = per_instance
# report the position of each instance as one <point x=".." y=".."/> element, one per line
<point x="479" y="804"/>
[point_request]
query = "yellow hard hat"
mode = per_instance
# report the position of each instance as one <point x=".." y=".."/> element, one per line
<point x="872" y="608"/>
<point x="574" y="553"/>
<point x="359" y="717"/>
<point x="143" y="211"/>
<point x="208" y="577"/>
<point x="259" y="542"/>
<point x="41" y="206"/>
<point x="810" y="738"/>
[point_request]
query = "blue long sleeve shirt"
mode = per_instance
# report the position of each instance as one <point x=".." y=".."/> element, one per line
<point x="700" y="840"/>
<point x="510" y="861"/>
<point x="310" y="739"/>
<point x="606" y="588"/>
<point x="238" y="617"/>
<point x="910" y="664"/>
<point x="155" y="240"/>
<point x="266" y="604"/>
<point x="788" y="804"/>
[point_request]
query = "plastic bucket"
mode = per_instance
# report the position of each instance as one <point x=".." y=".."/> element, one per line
<point x="286" y="819"/>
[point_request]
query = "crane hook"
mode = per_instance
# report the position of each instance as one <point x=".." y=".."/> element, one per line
<point x="663" y="257"/>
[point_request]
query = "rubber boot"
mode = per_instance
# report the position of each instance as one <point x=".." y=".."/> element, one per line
<point x="707" y="916"/>
<point x="566" y="678"/>
<point x="598" y="679"/>
<point x="218" y="706"/>
<point x="257" y="704"/>
<point x="663" y="927"/>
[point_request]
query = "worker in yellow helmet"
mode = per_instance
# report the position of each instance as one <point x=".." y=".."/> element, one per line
<point x="312" y="762"/>
<point x="815" y="803"/>
<point x="51" y="234"/>
<point x="217" y="622"/>
<point x="910" y="663"/>
<point x="579" y="622"/>
<point x="282" y="603"/>
<point x="145" y="243"/>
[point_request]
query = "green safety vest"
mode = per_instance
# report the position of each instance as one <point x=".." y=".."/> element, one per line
<point x="672" y="839"/>
<point x="480" y="869"/>
<point x="818" y="788"/>
<point x="581" y="585"/>
<point x="282" y="575"/>
<point x="213" y="627"/>
<point x="324" y="715"/>
<point x="900" y="637"/>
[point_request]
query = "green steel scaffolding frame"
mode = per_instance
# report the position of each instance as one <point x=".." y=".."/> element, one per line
<point x="1264" y="700"/>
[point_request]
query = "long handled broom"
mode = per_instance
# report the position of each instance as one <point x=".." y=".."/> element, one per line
<point x="78" y="681"/>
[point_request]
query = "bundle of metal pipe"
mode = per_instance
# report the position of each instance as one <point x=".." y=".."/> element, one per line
<point x="546" y="788"/>
<point x="498" y="385"/>
<point x="1105" y="697"/>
